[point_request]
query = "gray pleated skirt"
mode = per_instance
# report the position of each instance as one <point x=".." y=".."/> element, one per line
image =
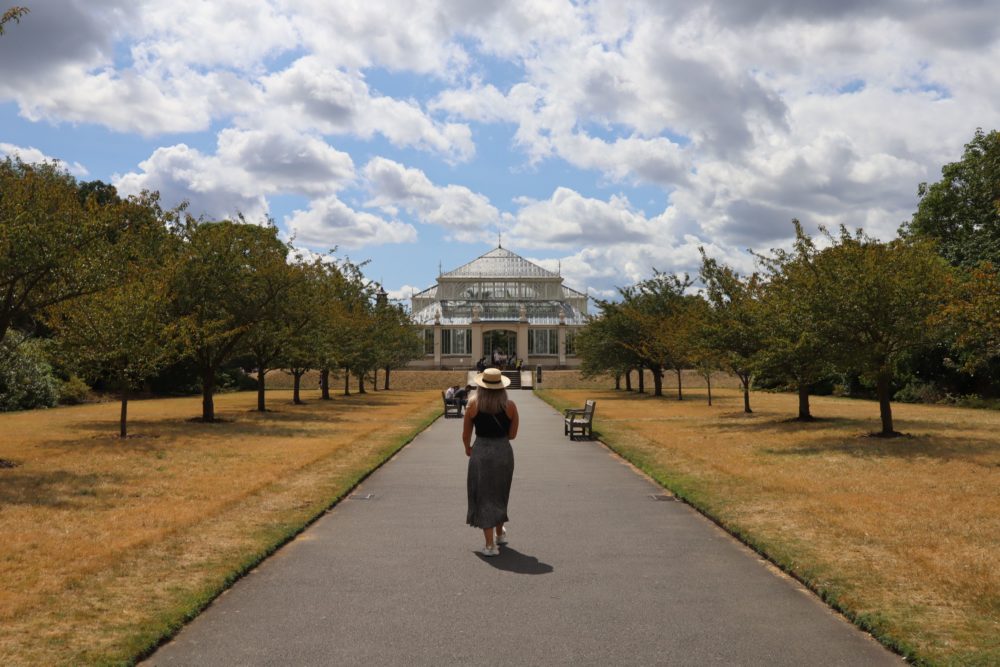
<point x="491" y="469"/>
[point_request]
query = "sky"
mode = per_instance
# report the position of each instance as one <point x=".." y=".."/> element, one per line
<point x="601" y="139"/>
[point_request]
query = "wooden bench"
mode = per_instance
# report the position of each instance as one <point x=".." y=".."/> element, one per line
<point x="579" y="421"/>
<point x="452" y="406"/>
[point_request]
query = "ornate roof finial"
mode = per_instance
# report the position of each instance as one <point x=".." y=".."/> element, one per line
<point x="439" y="268"/>
<point x="559" y="271"/>
<point x="499" y="239"/>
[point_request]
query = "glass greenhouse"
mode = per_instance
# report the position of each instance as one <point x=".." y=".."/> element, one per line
<point x="500" y="308"/>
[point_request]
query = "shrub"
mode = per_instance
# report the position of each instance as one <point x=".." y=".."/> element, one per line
<point x="916" y="391"/>
<point x="73" y="391"/>
<point x="26" y="378"/>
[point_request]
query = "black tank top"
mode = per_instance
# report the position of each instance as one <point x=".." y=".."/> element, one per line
<point x="492" y="426"/>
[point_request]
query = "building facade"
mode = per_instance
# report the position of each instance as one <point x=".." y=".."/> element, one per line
<point x="500" y="307"/>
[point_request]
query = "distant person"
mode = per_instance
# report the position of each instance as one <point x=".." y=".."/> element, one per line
<point x="481" y="365"/>
<point x="493" y="417"/>
<point x="462" y="395"/>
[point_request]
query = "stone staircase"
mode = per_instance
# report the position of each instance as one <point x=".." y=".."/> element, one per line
<point x="515" y="379"/>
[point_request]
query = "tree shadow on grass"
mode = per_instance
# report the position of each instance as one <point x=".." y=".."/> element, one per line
<point x="512" y="560"/>
<point x="58" y="489"/>
<point x="782" y="423"/>
<point x="157" y="435"/>
<point x="950" y="448"/>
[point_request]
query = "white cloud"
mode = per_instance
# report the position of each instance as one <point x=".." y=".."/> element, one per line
<point x="383" y="33"/>
<point x="404" y="293"/>
<point x="30" y="154"/>
<point x="313" y="94"/>
<point x="247" y="166"/>
<point x="180" y="173"/>
<point x="568" y="219"/>
<point x="467" y="214"/>
<point x="285" y="161"/>
<point x="329" y="222"/>
<point x="231" y="34"/>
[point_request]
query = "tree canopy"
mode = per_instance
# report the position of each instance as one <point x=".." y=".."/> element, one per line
<point x="13" y="14"/>
<point x="962" y="210"/>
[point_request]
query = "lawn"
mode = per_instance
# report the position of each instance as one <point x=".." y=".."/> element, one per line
<point x="109" y="545"/>
<point x="903" y="535"/>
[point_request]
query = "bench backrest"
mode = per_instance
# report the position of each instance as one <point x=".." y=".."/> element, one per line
<point x="588" y="407"/>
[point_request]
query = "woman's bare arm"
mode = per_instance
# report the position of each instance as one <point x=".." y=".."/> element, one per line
<point x="470" y="413"/>
<point x="514" y="420"/>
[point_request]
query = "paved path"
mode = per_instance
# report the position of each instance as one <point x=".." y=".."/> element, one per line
<point x="597" y="573"/>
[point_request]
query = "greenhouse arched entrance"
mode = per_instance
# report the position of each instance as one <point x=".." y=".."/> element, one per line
<point x="499" y="345"/>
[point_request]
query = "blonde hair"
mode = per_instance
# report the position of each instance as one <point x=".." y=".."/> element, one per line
<point x="490" y="401"/>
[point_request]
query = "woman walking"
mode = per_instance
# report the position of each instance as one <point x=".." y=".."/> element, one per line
<point x="491" y="459"/>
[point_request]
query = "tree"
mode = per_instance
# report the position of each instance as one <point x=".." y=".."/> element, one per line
<point x="876" y="304"/>
<point x="309" y="315"/>
<point x="349" y="334"/>
<point x="733" y="326"/>
<point x="229" y="274"/>
<point x="53" y="247"/>
<point x="705" y="358"/>
<point x="607" y="344"/>
<point x="283" y="322"/>
<point x="962" y="210"/>
<point x="794" y="348"/>
<point x="13" y="14"/>
<point x="398" y="340"/>
<point x="125" y="332"/>
<point x="656" y="307"/>
<point x="972" y="316"/>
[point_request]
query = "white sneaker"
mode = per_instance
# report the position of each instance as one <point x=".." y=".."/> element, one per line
<point x="502" y="536"/>
<point x="490" y="550"/>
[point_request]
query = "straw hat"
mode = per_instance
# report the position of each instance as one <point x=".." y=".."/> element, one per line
<point x="492" y="378"/>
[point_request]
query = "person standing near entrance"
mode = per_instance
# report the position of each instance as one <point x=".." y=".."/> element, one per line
<point x="493" y="417"/>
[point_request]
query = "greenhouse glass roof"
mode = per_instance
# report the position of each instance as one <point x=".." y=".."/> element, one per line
<point x="500" y="263"/>
<point x="500" y="286"/>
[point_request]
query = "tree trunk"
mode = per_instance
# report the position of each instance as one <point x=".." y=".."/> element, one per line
<point x="884" y="407"/>
<point x="805" y="415"/>
<point x="375" y="380"/>
<point x="324" y="384"/>
<point x="386" y="387"/>
<point x="642" y="380"/>
<point x="123" y="424"/>
<point x="745" y="381"/>
<point x="347" y="382"/>
<point x="680" y="394"/>
<point x="361" y="383"/>
<point x="261" y="407"/>
<point x="657" y="382"/>
<point x="628" y="380"/>
<point x="207" y="392"/>
<point x="618" y="381"/>
<point x="708" y="381"/>
<point x="297" y="383"/>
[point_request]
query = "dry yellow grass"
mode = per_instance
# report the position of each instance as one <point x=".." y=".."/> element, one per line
<point x="107" y="545"/>
<point x="902" y="534"/>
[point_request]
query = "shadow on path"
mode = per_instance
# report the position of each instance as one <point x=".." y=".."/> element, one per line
<point x="512" y="560"/>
